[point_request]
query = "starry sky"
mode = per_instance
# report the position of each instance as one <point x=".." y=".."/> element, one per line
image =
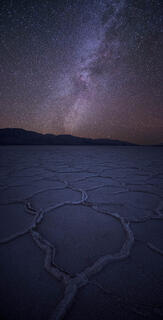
<point x="91" y="68"/>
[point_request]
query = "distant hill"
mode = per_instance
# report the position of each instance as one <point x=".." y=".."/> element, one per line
<point x="14" y="136"/>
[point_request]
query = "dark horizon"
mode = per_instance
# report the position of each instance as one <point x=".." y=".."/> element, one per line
<point x="130" y="142"/>
<point x="102" y="140"/>
<point x="21" y="136"/>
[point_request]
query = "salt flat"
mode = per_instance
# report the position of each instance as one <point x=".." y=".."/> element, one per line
<point x="81" y="232"/>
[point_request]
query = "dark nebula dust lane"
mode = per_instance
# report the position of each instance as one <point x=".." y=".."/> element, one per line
<point x="87" y="68"/>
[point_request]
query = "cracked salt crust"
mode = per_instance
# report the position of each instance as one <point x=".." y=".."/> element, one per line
<point x="44" y="182"/>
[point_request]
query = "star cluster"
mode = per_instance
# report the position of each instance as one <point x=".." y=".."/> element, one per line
<point x="89" y="68"/>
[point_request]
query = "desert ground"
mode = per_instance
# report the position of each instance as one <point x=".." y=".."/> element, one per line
<point x="81" y="232"/>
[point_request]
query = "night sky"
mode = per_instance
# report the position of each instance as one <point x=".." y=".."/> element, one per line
<point x="91" y="68"/>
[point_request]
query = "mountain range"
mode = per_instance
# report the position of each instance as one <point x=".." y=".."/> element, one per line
<point x="16" y="136"/>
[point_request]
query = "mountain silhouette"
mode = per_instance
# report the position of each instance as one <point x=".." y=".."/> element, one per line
<point x="16" y="136"/>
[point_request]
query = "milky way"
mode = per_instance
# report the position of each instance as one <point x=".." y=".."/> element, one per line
<point x="88" y="68"/>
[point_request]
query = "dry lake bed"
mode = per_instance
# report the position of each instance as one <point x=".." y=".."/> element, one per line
<point x="81" y="232"/>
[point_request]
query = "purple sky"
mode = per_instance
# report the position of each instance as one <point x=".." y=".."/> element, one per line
<point x="88" y="68"/>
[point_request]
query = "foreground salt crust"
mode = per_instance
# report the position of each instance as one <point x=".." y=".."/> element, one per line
<point x="121" y="187"/>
